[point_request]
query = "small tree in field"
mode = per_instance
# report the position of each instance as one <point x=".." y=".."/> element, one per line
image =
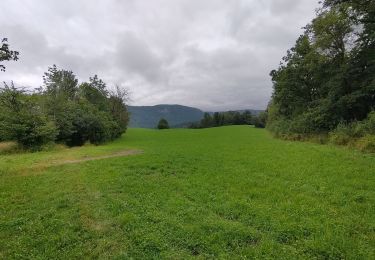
<point x="163" y="124"/>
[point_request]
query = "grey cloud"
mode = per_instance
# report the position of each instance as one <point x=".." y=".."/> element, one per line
<point x="213" y="54"/>
<point x="134" y="55"/>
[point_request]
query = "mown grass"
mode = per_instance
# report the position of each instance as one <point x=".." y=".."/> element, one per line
<point x="231" y="192"/>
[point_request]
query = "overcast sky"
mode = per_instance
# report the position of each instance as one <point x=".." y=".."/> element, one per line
<point x="210" y="54"/>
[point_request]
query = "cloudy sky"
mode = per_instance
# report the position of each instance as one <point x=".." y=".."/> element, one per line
<point x="211" y="54"/>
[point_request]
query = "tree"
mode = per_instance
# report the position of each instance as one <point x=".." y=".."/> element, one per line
<point x="260" y="121"/>
<point x="22" y="120"/>
<point x="163" y="124"/>
<point x="60" y="84"/>
<point x="60" y="96"/>
<point x="218" y="119"/>
<point x="328" y="77"/>
<point x="6" y="54"/>
<point x="118" y="108"/>
<point x="85" y="112"/>
<point x="95" y="92"/>
<point x="207" y="121"/>
<point x="247" y="117"/>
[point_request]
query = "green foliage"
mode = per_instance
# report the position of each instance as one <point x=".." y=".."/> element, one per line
<point x="85" y="112"/>
<point x="220" y="193"/>
<point x="63" y="111"/>
<point x="366" y="126"/>
<point x="207" y="121"/>
<point x="261" y="120"/>
<point x="327" y="80"/>
<point x="342" y="135"/>
<point x="357" y="134"/>
<point x="366" y="143"/>
<point x="60" y="85"/>
<point x="119" y="110"/>
<point x="6" y="54"/>
<point x="163" y="124"/>
<point x="23" y="121"/>
<point x="95" y="91"/>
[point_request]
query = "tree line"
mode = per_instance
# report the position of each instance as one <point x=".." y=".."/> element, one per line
<point x="62" y="111"/>
<point x="230" y="118"/>
<point x="326" y="82"/>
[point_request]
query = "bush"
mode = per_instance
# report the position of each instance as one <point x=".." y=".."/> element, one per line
<point x="366" y="143"/>
<point x="343" y="134"/>
<point x="260" y="120"/>
<point x="31" y="132"/>
<point x="90" y="124"/>
<point x="163" y="124"/>
<point x="23" y="121"/>
<point x="366" y="126"/>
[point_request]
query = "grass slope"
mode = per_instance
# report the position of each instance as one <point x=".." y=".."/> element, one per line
<point x="230" y="192"/>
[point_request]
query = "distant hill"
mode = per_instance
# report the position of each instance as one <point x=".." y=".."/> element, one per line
<point x="176" y="115"/>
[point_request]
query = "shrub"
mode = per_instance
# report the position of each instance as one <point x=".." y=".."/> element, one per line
<point x="90" y="124"/>
<point x="343" y="134"/>
<point x="260" y="120"/>
<point x="163" y="124"/>
<point x="30" y="131"/>
<point x="366" y="126"/>
<point x="23" y="121"/>
<point x="366" y="143"/>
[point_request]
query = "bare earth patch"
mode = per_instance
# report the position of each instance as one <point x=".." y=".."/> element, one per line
<point x="91" y="158"/>
<point x="37" y="168"/>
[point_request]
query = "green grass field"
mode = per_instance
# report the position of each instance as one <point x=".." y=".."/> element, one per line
<point x="231" y="192"/>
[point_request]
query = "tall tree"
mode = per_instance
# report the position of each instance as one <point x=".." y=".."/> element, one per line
<point x="328" y="77"/>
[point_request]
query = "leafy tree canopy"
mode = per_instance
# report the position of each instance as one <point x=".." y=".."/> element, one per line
<point x="6" y="54"/>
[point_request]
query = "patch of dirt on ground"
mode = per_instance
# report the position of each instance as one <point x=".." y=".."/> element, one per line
<point x="38" y="168"/>
<point x="91" y="158"/>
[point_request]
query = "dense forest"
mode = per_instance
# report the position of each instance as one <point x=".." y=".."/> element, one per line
<point x="326" y="82"/>
<point x="62" y="111"/>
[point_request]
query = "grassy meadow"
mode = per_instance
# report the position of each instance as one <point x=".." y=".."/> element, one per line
<point x="230" y="192"/>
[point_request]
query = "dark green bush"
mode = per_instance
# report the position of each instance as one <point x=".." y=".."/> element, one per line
<point x="163" y="124"/>
<point x="22" y="120"/>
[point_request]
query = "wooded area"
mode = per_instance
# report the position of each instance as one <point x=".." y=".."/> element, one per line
<point x="326" y="82"/>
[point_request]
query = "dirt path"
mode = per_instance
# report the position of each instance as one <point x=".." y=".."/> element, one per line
<point x="38" y="167"/>
<point x="91" y="158"/>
